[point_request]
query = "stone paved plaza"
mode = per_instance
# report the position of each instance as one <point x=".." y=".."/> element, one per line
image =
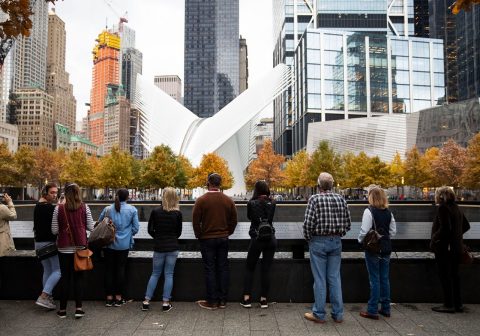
<point x="24" y="318"/>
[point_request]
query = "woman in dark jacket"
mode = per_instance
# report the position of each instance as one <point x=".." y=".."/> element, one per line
<point x="448" y="228"/>
<point x="165" y="227"/>
<point x="42" y="228"/>
<point x="260" y="206"/>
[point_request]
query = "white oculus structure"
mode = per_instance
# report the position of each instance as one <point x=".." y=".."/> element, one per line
<point x="229" y="132"/>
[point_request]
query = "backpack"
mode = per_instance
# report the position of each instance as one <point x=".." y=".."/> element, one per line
<point x="265" y="231"/>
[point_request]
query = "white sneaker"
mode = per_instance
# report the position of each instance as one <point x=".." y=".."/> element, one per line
<point x="45" y="303"/>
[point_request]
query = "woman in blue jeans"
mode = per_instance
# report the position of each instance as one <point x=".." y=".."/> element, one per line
<point x="378" y="264"/>
<point x="42" y="228"/>
<point x="165" y="227"/>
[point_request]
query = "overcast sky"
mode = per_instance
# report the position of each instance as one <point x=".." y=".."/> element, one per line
<point x="159" y="26"/>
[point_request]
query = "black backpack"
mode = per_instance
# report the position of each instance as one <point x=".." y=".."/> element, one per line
<point x="265" y="231"/>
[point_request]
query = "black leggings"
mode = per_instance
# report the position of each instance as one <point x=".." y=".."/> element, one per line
<point x="115" y="269"/>
<point x="68" y="272"/>
<point x="268" y="250"/>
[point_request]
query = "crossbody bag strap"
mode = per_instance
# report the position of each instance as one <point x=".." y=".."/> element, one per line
<point x="373" y="219"/>
<point x="72" y="240"/>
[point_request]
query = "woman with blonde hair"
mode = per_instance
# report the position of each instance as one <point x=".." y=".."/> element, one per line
<point x="165" y="227"/>
<point x="378" y="264"/>
<point x="446" y="242"/>
<point x="70" y="222"/>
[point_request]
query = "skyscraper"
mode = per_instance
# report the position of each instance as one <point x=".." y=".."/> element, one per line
<point x="468" y="53"/>
<point x="25" y="65"/>
<point x="106" y="55"/>
<point x="421" y="18"/>
<point x="243" y="65"/>
<point x="171" y="84"/>
<point x="117" y="120"/>
<point x="132" y="60"/>
<point x="211" y="55"/>
<point x="57" y="85"/>
<point x="31" y="52"/>
<point x="351" y="60"/>
<point x="442" y="24"/>
<point x="34" y="117"/>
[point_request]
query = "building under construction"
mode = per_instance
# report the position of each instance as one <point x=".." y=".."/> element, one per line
<point x="106" y="55"/>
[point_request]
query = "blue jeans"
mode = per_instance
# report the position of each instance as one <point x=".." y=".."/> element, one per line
<point x="51" y="270"/>
<point x="215" y="261"/>
<point x="162" y="262"/>
<point x="378" y="267"/>
<point x="325" y="260"/>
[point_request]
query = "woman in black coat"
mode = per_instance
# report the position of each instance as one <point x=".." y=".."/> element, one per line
<point x="260" y="210"/>
<point x="165" y="227"/>
<point x="448" y="228"/>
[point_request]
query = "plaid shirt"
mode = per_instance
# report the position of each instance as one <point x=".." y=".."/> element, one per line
<point x="326" y="214"/>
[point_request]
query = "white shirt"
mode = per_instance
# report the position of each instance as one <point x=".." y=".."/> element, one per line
<point x="367" y="223"/>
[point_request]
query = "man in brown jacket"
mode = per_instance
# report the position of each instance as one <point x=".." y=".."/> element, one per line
<point x="214" y="219"/>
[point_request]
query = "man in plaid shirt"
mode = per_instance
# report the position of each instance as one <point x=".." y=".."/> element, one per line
<point x="327" y="219"/>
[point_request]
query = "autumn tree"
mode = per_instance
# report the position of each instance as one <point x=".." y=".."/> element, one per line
<point x="449" y="165"/>
<point x="415" y="174"/>
<point x="160" y="168"/>
<point x="362" y="171"/>
<point x="378" y="173"/>
<point x="465" y="5"/>
<point x="116" y="169"/>
<point x="212" y="163"/>
<point x="8" y="170"/>
<point x="267" y="166"/>
<point x="471" y="173"/>
<point x="397" y="171"/>
<point x="323" y="159"/>
<point x="138" y="168"/>
<point x="25" y="166"/>
<point x="47" y="167"/>
<point x="426" y="162"/>
<point x="296" y="170"/>
<point x="186" y="172"/>
<point x="78" y="169"/>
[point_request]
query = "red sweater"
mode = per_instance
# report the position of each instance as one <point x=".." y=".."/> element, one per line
<point x="214" y="216"/>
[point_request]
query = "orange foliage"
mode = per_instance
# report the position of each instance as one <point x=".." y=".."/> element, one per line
<point x="267" y="166"/>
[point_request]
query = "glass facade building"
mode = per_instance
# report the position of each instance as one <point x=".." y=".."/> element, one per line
<point x="344" y="75"/>
<point x="443" y="26"/>
<point x="211" y="55"/>
<point x="291" y="18"/>
<point x="132" y="60"/>
<point x="468" y="53"/>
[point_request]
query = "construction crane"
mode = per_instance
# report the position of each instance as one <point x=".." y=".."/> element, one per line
<point x="121" y="18"/>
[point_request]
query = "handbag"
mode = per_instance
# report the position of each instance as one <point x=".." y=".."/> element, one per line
<point x="82" y="260"/>
<point x="466" y="258"/>
<point x="103" y="234"/>
<point x="47" y="251"/>
<point x="371" y="242"/>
